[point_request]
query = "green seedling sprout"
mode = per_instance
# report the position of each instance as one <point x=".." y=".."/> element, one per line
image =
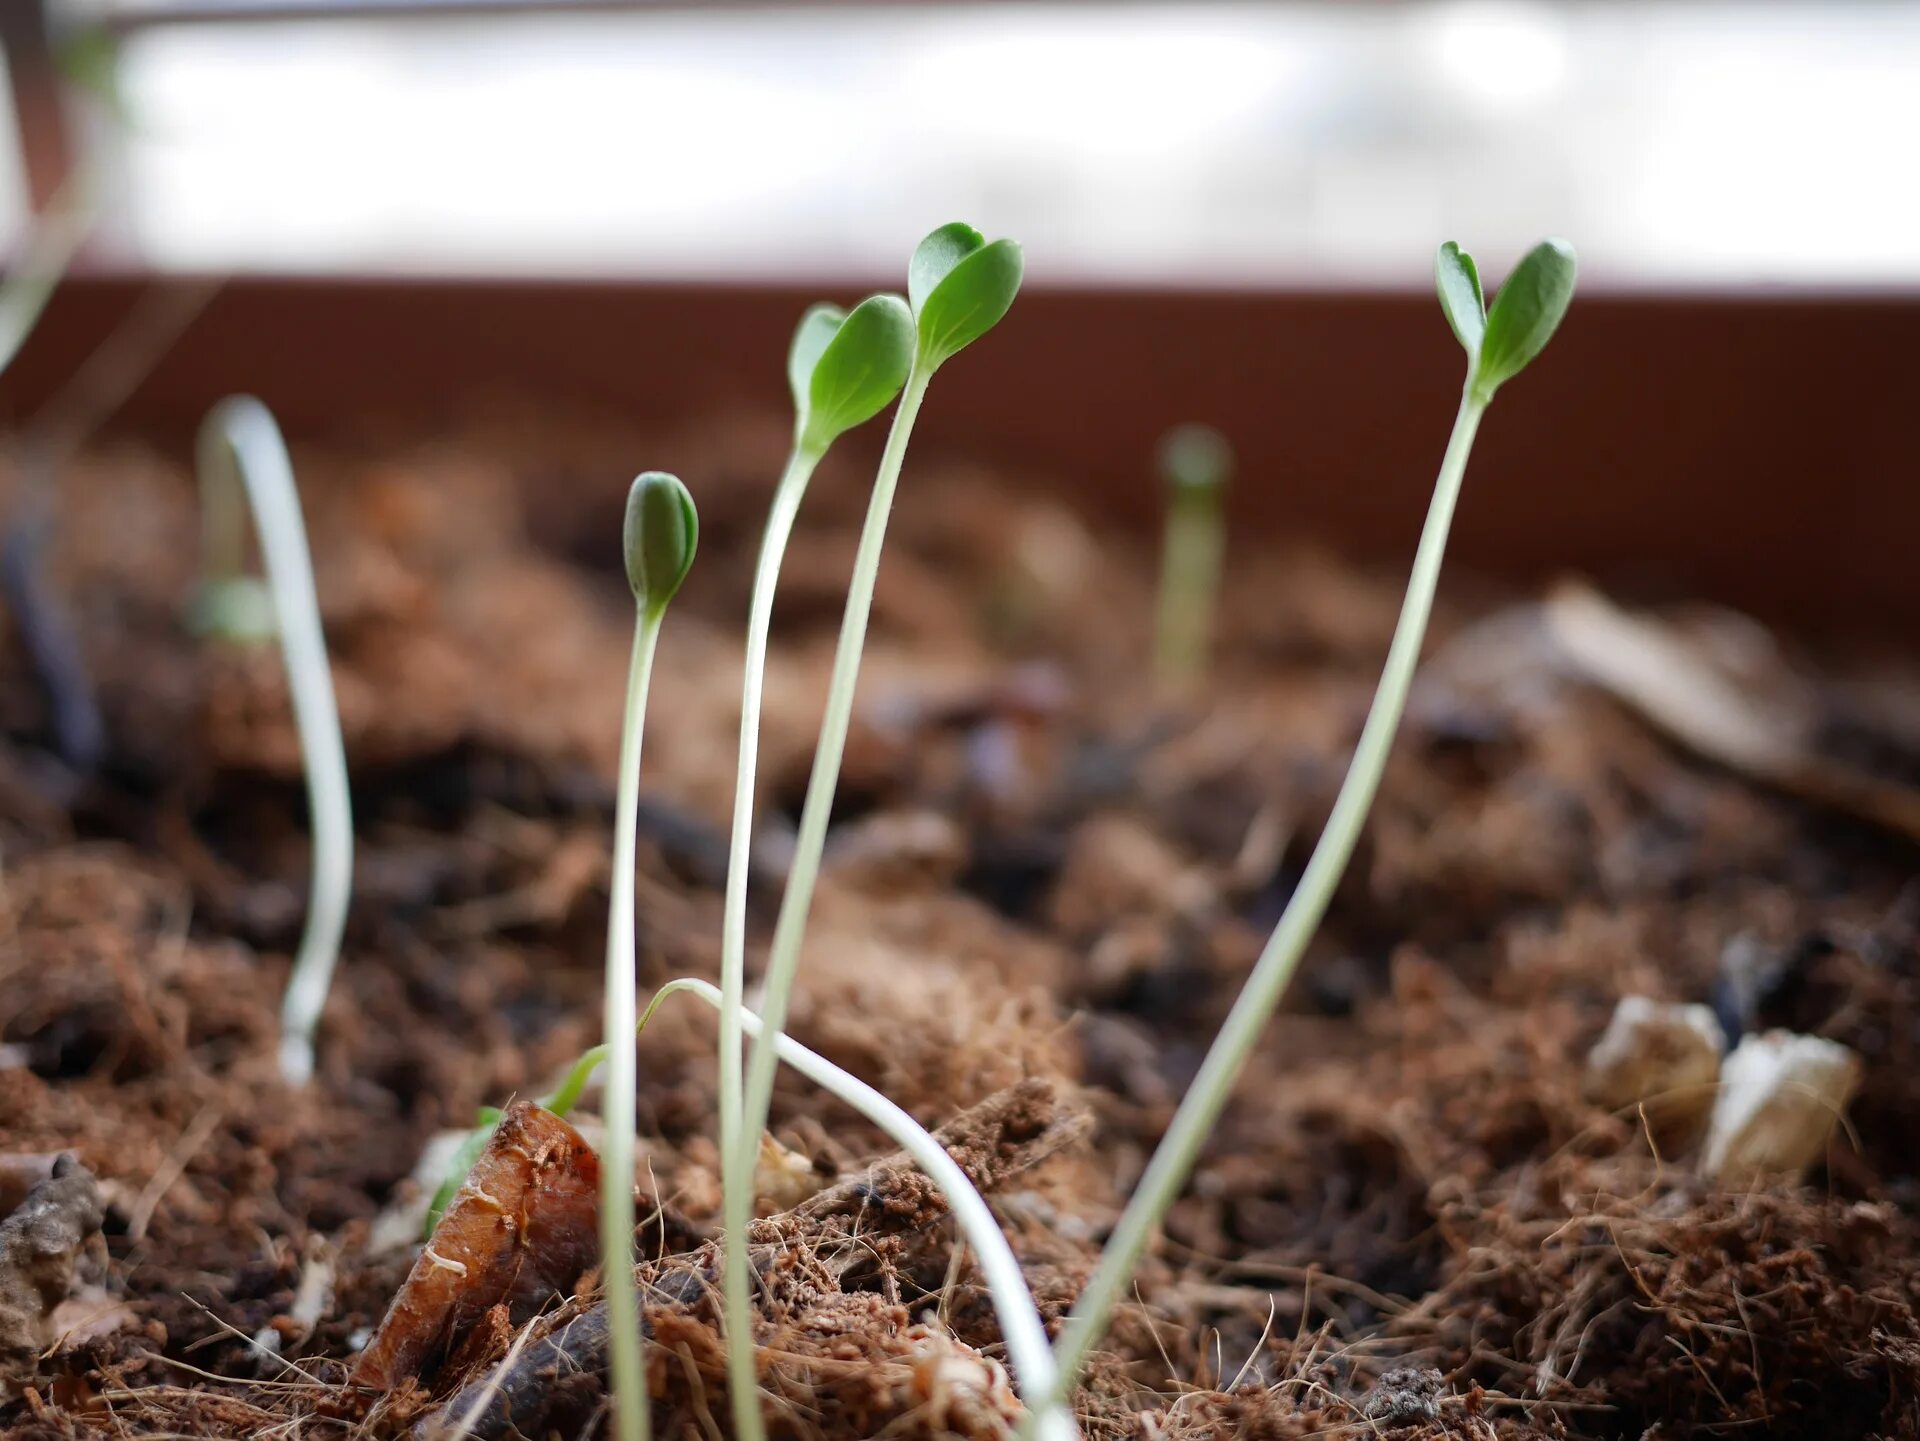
<point x="1499" y="343"/>
<point x="844" y="368"/>
<point x="959" y="286"/>
<point x="661" y="533"/>
<point x="241" y="451"/>
<point x="1197" y="463"/>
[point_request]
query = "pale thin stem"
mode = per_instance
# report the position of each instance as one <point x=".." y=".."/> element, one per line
<point x="1189" y="579"/>
<point x="1200" y="1108"/>
<point x="1020" y="1324"/>
<point x="796" y="901"/>
<point x="240" y="433"/>
<point x="743" y="1379"/>
<point x="573" y="1085"/>
<point x="631" y="1414"/>
<point x="54" y="237"/>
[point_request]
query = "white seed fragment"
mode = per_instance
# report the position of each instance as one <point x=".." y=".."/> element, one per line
<point x="1781" y="1096"/>
<point x="1660" y="1055"/>
<point x="782" y="1177"/>
<point x="444" y="1263"/>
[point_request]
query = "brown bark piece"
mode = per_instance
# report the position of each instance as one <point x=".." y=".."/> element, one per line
<point x="520" y="1231"/>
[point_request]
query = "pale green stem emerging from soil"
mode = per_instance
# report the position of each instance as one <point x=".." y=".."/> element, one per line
<point x="632" y="1417"/>
<point x="1173" y="1160"/>
<point x="743" y="1149"/>
<point x="1019" y="1318"/>
<point x="797" y="900"/>
<point x="743" y="1382"/>
<point x="240" y="438"/>
<point x="1189" y="578"/>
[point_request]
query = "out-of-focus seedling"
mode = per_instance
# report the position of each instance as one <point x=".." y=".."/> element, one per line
<point x="52" y="240"/>
<point x="959" y="286"/>
<point x="231" y="603"/>
<point x="844" y="368"/>
<point x="1196" y="462"/>
<point x="1499" y="343"/>
<point x="661" y="534"/>
<point x="241" y="452"/>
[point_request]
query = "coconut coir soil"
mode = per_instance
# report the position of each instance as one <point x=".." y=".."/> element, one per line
<point x="1410" y="1221"/>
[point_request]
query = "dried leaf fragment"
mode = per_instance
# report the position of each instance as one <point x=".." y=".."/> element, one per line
<point x="1760" y="723"/>
<point x="520" y="1231"/>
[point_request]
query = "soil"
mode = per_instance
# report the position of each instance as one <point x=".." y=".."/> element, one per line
<point x="1411" y="1221"/>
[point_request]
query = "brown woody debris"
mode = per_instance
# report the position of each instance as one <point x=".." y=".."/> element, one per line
<point x="520" y="1231"/>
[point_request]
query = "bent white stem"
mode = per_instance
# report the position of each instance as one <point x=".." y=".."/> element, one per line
<point x="743" y="1381"/>
<point x="240" y="440"/>
<point x="1020" y="1323"/>
<point x="1200" y="1108"/>
<point x="791" y="926"/>
<point x="54" y="237"/>
<point x="632" y="1417"/>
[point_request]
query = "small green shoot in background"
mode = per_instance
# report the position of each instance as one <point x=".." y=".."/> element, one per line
<point x="1499" y="344"/>
<point x="1196" y="463"/>
<point x="242" y="454"/>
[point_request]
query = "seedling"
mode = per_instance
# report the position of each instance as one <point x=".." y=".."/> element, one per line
<point x="231" y="604"/>
<point x="959" y="286"/>
<point x="52" y="241"/>
<point x="1196" y="462"/>
<point x="661" y="533"/>
<point x="241" y="451"/>
<point x="1499" y="343"/>
<point x="844" y="368"/>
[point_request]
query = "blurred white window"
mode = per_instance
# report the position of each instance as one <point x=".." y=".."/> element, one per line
<point x="1677" y="143"/>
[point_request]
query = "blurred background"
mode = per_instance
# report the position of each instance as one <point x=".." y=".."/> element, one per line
<point x="417" y="211"/>
<point x="1684" y="143"/>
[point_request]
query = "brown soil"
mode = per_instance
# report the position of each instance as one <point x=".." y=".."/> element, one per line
<point x="1411" y="1222"/>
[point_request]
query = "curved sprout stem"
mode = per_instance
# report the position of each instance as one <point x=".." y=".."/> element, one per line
<point x="565" y="1096"/>
<point x="241" y="445"/>
<point x="631" y="1413"/>
<point x="1173" y="1161"/>
<point x="1020" y="1324"/>
<point x="743" y="1380"/>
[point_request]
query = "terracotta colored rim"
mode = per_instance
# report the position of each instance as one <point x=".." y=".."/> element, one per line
<point x="1762" y="450"/>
